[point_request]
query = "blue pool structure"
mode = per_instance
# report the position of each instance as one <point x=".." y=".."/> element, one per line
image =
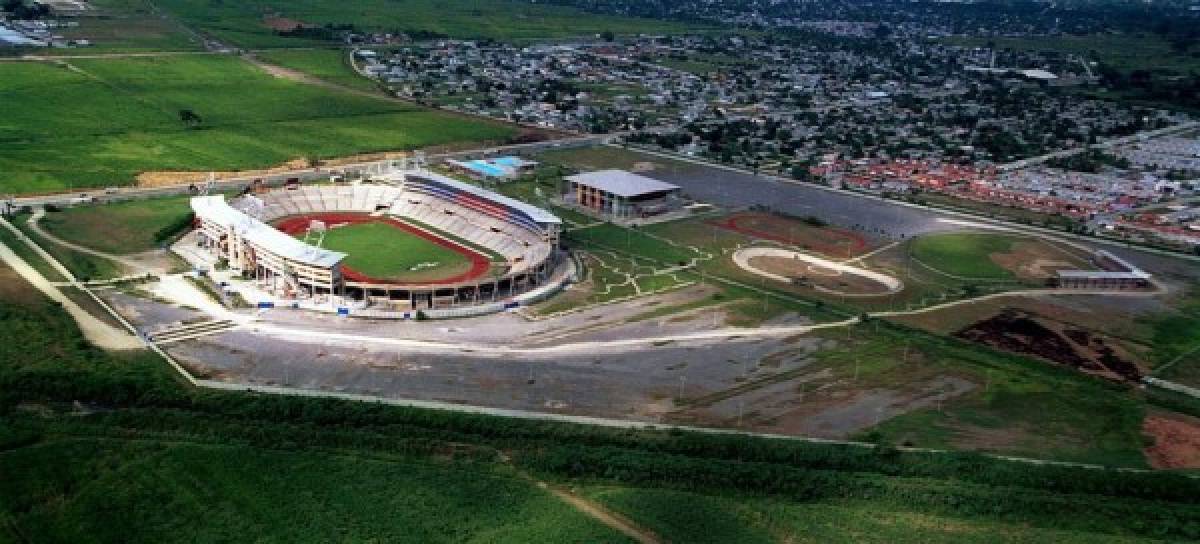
<point x="509" y="167"/>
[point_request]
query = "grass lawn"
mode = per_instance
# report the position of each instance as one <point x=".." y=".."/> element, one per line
<point x="964" y="254"/>
<point x="383" y="251"/>
<point x="332" y="65"/>
<point x="83" y="266"/>
<point x="120" y="227"/>
<point x="241" y="23"/>
<point x="28" y="255"/>
<point x="631" y="241"/>
<point x="107" y="120"/>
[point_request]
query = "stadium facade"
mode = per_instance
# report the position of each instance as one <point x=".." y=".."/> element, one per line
<point x="526" y="237"/>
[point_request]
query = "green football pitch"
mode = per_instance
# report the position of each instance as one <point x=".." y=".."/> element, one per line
<point x="386" y="252"/>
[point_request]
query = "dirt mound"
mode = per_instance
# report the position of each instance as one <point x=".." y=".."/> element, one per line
<point x="175" y="177"/>
<point x="1018" y="332"/>
<point x="1176" y="441"/>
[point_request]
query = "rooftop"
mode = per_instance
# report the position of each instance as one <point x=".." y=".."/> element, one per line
<point x="622" y="183"/>
<point x="535" y="213"/>
<point x="214" y="208"/>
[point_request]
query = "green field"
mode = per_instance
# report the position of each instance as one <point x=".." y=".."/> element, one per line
<point x="332" y="65"/>
<point x="100" y="122"/>
<point x="383" y="251"/>
<point x="964" y="254"/>
<point x="241" y="23"/>
<point x="126" y="227"/>
<point x="82" y="265"/>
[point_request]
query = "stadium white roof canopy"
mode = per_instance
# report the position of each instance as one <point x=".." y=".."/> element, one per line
<point x="535" y="213"/>
<point x="215" y="209"/>
<point x="622" y="183"/>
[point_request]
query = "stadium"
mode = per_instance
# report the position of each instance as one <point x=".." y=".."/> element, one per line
<point x="407" y="241"/>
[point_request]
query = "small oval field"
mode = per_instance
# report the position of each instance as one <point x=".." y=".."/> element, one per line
<point x="387" y="251"/>
<point x="994" y="256"/>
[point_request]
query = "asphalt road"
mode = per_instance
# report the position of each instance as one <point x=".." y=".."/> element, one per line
<point x="738" y="190"/>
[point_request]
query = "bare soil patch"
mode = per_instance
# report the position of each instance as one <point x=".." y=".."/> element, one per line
<point x="1176" y="440"/>
<point x="1020" y="332"/>
<point x="283" y="24"/>
<point x="830" y="241"/>
<point x="1037" y="260"/>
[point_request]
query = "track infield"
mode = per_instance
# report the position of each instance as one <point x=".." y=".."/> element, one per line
<point x="388" y="251"/>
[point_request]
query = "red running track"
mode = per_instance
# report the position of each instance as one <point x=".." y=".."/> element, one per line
<point x="857" y="244"/>
<point x="480" y="264"/>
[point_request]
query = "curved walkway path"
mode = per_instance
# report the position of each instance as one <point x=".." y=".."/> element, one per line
<point x="36" y="226"/>
<point x="94" y="329"/>
<point x="742" y="259"/>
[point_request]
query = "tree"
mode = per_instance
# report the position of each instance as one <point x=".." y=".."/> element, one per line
<point x="189" y="118"/>
<point x="608" y="36"/>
